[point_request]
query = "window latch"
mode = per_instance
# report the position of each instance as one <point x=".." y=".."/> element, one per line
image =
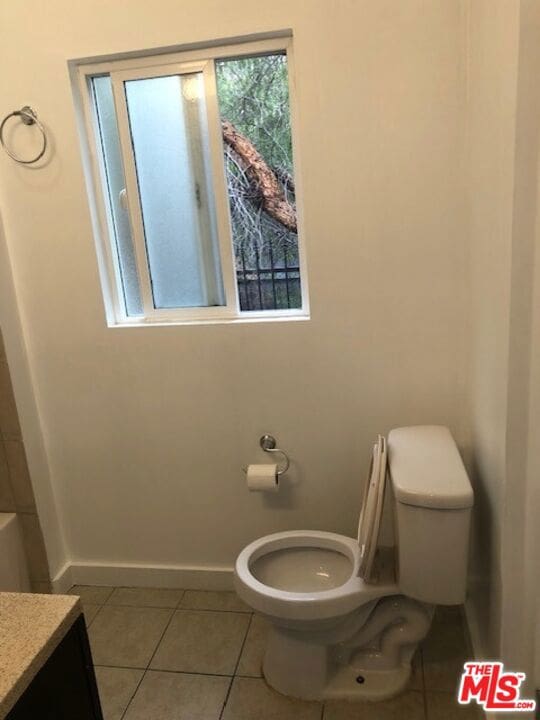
<point x="122" y="198"/>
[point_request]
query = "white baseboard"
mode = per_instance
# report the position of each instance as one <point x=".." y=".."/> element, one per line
<point x="63" y="580"/>
<point x="132" y="575"/>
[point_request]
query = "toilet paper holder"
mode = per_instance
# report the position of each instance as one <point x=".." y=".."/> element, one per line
<point x="268" y="444"/>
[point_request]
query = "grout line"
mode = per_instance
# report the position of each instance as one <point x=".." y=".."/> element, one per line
<point x="175" y="608"/>
<point x="100" y="608"/>
<point x="243" y="644"/>
<point x="133" y="694"/>
<point x="180" y="600"/>
<point x="109" y="596"/>
<point x="170" y="672"/>
<point x="182" y="592"/>
<point x="236" y="667"/>
<point x="148" y="664"/>
<point x="118" y="667"/>
<point x="160" y="639"/>
<point x="140" y="607"/>
<point x="236" y="612"/>
<point x="171" y="607"/>
<point x="226" y="698"/>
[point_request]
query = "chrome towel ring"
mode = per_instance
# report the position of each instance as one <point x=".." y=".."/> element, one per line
<point x="28" y="117"/>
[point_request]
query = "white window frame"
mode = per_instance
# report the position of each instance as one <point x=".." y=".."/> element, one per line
<point x="155" y="65"/>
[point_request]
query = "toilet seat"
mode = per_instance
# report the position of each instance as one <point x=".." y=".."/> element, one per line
<point x="312" y="605"/>
<point x="371" y="509"/>
<point x="264" y="585"/>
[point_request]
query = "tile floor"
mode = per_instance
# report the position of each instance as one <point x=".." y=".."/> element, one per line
<point x="196" y="655"/>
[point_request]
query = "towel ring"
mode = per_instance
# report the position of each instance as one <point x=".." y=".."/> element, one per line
<point x="28" y="117"/>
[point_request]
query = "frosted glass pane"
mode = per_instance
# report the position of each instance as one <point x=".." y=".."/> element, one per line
<point x="170" y="141"/>
<point x="114" y="172"/>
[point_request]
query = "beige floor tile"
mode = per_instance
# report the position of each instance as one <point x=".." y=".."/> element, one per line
<point x="444" y="706"/>
<point x="126" y="636"/>
<point x="252" y="699"/>
<point x="408" y="706"/>
<point x="202" y="642"/>
<point x="444" y="652"/>
<point x="254" y="648"/>
<point x="95" y="594"/>
<point x="116" y="688"/>
<point x="173" y="696"/>
<point x="145" y="597"/>
<point x="211" y="600"/>
<point x="90" y="612"/>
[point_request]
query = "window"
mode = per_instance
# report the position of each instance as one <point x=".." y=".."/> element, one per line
<point x="193" y="184"/>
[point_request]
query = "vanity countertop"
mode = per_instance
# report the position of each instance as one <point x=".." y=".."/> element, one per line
<point x="31" y="627"/>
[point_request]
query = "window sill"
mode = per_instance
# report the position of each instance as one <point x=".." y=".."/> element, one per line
<point x="255" y="318"/>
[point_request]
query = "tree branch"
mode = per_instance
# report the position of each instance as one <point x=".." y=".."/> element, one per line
<point x="274" y="201"/>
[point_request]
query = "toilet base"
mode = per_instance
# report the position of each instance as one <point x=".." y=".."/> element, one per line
<point x="353" y="685"/>
<point x="301" y="670"/>
<point x="377" y="684"/>
<point x="368" y="659"/>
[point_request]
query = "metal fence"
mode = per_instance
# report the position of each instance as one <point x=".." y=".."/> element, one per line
<point x="264" y="285"/>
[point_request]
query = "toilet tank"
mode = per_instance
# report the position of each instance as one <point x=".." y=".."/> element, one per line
<point x="433" y="499"/>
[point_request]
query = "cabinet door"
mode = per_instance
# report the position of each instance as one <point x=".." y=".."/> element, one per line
<point x="65" y="687"/>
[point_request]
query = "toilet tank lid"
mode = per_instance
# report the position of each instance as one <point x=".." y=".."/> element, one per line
<point x="426" y="468"/>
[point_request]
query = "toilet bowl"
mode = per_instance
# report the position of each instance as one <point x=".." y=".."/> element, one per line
<point x="346" y="615"/>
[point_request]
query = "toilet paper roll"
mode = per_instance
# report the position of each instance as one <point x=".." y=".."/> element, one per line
<point x="262" y="478"/>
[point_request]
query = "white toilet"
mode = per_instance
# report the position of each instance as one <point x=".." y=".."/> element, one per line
<point x="346" y="616"/>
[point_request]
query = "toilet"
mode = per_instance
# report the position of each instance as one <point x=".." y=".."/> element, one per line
<point x="346" y="614"/>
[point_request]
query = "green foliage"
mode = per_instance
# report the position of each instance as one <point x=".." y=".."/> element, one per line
<point x="253" y="94"/>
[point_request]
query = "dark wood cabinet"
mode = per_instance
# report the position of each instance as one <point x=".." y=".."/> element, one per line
<point x="65" y="687"/>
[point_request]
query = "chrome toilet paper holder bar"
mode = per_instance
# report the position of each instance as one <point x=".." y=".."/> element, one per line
<point x="268" y="444"/>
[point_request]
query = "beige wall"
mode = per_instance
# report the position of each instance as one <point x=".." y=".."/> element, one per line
<point x="146" y="429"/>
<point x="493" y="40"/>
<point x="503" y="142"/>
<point x="520" y="519"/>
<point x="532" y="536"/>
<point x="530" y="589"/>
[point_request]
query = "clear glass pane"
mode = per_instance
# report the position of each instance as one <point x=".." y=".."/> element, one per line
<point x="169" y="134"/>
<point x="253" y="95"/>
<point x="117" y="209"/>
